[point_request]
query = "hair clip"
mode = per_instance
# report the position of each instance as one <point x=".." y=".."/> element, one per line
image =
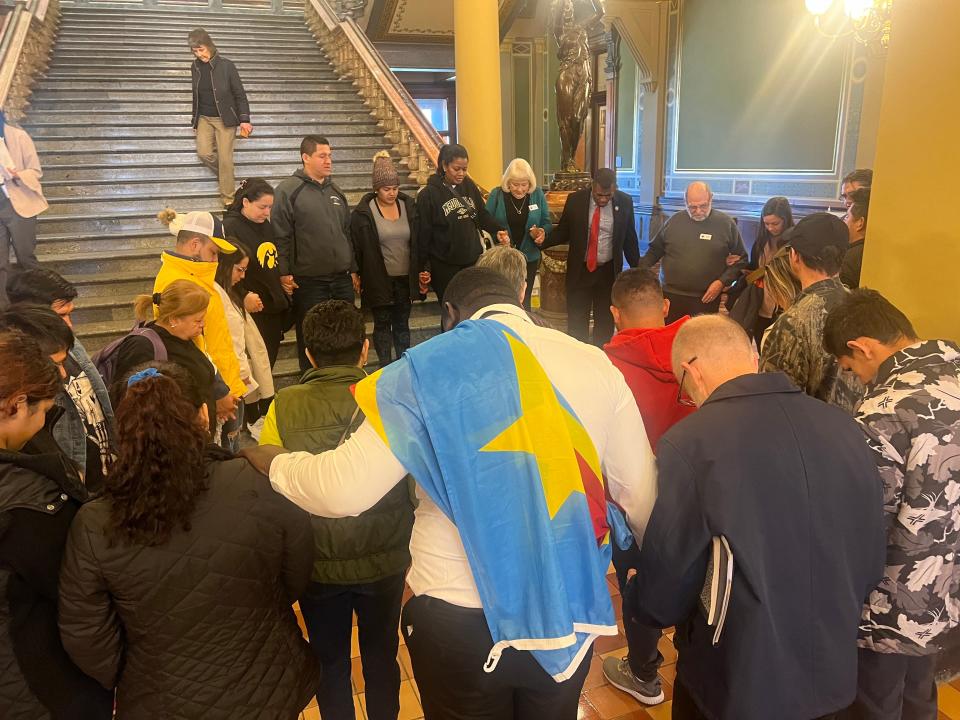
<point x="143" y="375"/>
<point x="156" y="298"/>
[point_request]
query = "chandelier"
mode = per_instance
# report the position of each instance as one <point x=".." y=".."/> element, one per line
<point x="867" y="20"/>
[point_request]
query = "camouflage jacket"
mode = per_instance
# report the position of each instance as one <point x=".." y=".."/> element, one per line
<point x="795" y="346"/>
<point x="912" y="420"/>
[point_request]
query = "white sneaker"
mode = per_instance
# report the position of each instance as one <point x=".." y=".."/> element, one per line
<point x="256" y="429"/>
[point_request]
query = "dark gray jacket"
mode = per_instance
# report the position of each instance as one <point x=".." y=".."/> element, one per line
<point x="228" y="92"/>
<point x="801" y="506"/>
<point x="311" y="226"/>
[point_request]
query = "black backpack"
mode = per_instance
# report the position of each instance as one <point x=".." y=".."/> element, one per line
<point x="105" y="359"/>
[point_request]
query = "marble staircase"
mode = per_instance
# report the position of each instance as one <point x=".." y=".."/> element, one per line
<point x="111" y="121"/>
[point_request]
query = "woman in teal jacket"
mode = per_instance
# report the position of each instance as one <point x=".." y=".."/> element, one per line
<point x="519" y="203"/>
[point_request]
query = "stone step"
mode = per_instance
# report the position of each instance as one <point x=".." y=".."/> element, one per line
<point x="156" y="238"/>
<point x="118" y="114"/>
<point x="243" y="155"/>
<point x="111" y="262"/>
<point x="122" y="285"/>
<point x="294" y="132"/>
<point x="106" y="18"/>
<point x="184" y="172"/>
<point x="147" y="74"/>
<point x="186" y="142"/>
<point x="228" y="45"/>
<point x="89" y="218"/>
<point x="158" y="90"/>
<point x="169" y="187"/>
<point x="138" y="66"/>
<point x="177" y="24"/>
<point x="334" y="96"/>
<point x="87" y="29"/>
<point x="310" y="62"/>
<point x="248" y="55"/>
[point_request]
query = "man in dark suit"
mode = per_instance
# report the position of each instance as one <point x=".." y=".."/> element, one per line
<point x="802" y="510"/>
<point x="599" y="227"/>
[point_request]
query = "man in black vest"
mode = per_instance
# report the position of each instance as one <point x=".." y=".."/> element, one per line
<point x="599" y="226"/>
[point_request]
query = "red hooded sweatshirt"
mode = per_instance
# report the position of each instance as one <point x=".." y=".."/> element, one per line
<point x="643" y="356"/>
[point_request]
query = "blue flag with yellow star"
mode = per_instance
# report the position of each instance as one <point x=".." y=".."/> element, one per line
<point x="474" y="418"/>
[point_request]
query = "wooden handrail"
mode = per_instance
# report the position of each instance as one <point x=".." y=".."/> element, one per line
<point x="11" y="46"/>
<point x="422" y="132"/>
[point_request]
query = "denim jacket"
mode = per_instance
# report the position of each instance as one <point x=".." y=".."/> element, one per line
<point x="69" y="431"/>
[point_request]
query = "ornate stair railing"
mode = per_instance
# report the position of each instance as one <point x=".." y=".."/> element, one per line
<point x="26" y="42"/>
<point x="355" y="57"/>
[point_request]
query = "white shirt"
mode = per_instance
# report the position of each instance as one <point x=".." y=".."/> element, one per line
<point x="353" y="477"/>
<point x="605" y="237"/>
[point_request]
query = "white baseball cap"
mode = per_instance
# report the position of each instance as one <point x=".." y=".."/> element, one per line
<point x="203" y="223"/>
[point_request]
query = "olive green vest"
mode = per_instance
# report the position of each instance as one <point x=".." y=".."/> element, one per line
<point x="312" y="416"/>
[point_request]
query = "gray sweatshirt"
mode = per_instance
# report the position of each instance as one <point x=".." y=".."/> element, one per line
<point x="311" y="225"/>
<point x="694" y="253"/>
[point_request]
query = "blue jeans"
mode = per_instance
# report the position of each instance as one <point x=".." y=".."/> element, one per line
<point x="314" y="290"/>
<point x="229" y="438"/>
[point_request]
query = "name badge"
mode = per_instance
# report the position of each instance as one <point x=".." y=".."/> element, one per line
<point x="533" y="207"/>
<point x="706" y="236"/>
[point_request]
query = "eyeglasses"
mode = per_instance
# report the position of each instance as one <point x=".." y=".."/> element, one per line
<point x="681" y="399"/>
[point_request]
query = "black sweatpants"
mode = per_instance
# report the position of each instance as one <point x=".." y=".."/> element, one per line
<point x="448" y="647"/>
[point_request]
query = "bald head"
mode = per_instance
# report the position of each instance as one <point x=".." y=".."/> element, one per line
<point x="699" y="199"/>
<point x="708" y="351"/>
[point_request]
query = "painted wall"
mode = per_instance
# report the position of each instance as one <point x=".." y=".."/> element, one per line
<point x="912" y="252"/>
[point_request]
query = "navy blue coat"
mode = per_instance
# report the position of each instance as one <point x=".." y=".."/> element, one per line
<point x="792" y="485"/>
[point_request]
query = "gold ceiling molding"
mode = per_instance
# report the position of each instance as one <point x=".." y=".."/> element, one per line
<point x="417" y="21"/>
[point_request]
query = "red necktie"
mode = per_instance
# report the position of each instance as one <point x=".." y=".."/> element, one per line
<point x="594" y="243"/>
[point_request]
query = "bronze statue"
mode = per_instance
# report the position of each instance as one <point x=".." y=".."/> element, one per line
<point x="575" y="80"/>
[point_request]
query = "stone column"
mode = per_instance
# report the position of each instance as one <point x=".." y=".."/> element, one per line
<point x="476" y="25"/>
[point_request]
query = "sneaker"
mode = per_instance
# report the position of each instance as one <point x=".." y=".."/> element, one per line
<point x="619" y="675"/>
<point x="255" y="429"/>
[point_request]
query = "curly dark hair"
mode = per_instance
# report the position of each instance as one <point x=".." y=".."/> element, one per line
<point x="160" y="468"/>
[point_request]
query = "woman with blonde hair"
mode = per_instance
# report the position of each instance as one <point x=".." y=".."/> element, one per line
<point x="181" y="309"/>
<point x="781" y="284"/>
<point x="520" y="204"/>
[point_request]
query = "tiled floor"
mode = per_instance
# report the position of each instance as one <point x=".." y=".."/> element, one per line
<point x="599" y="700"/>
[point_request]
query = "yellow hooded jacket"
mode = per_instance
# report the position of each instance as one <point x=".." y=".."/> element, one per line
<point x="216" y="332"/>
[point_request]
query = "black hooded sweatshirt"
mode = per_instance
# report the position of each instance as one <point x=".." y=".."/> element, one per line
<point x="263" y="272"/>
<point x="449" y="222"/>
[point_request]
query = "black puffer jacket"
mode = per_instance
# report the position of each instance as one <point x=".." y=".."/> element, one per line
<point x="375" y="290"/>
<point x="39" y="496"/>
<point x="201" y="626"/>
